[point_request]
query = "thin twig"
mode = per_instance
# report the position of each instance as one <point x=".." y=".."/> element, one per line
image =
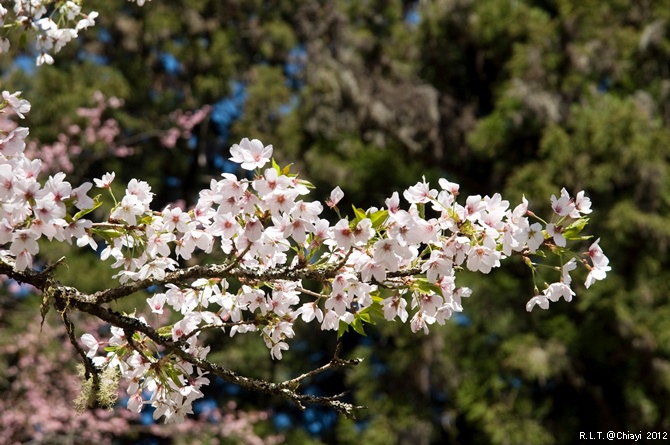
<point x="308" y="292"/>
<point x="90" y="369"/>
<point x="335" y="362"/>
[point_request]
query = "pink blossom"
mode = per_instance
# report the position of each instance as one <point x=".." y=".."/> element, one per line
<point x="437" y="265"/>
<point x="129" y="209"/>
<point x="535" y="237"/>
<point x="556" y="232"/>
<point x="395" y="306"/>
<point x="310" y="311"/>
<point x="13" y="143"/>
<point x="450" y="187"/>
<point x="82" y="200"/>
<point x="557" y="290"/>
<point x="268" y="240"/>
<point x="582" y="205"/>
<point x="565" y="271"/>
<point x="596" y="273"/>
<point x="482" y="259"/>
<point x="339" y="302"/>
<point x="420" y="193"/>
<point x="539" y="300"/>
<point x="156" y="303"/>
<point x="342" y="234"/>
<point x="564" y="205"/>
<point x="474" y="205"/>
<point x="14" y="101"/>
<point x="330" y="321"/>
<point x="393" y="203"/>
<point x="105" y="181"/>
<point x="335" y="196"/>
<point x="251" y="154"/>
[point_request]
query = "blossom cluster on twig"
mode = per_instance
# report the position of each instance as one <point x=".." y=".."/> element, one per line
<point x="46" y="25"/>
<point x="283" y="262"/>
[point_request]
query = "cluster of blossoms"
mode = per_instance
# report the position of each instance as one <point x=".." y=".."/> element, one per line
<point x="98" y="135"/>
<point x="274" y="245"/>
<point x="184" y="123"/>
<point x="51" y="24"/>
<point x="30" y="210"/>
<point x="95" y="138"/>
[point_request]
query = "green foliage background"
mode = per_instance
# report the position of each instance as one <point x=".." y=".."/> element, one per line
<point x="512" y="96"/>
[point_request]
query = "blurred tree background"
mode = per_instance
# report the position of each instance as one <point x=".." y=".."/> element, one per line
<point x="511" y="96"/>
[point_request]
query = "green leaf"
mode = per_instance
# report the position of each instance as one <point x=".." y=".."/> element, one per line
<point x="575" y="228"/>
<point x="146" y="220"/>
<point x="107" y="234"/>
<point x="360" y="215"/>
<point x="378" y="218"/>
<point x="276" y="166"/>
<point x="427" y="287"/>
<point x="376" y="297"/>
<point x="306" y="183"/>
<point x="376" y="310"/>
<point x="366" y="316"/>
<point x="286" y="170"/>
<point x="342" y="328"/>
<point x="173" y="374"/>
<point x="165" y="331"/>
<point x="357" y="324"/>
<point x="581" y="238"/>
<point x="97" y="202"/>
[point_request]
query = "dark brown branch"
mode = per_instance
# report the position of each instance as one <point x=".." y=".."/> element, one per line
<point x="37" y="279"/>
<point x="219" y="271"/>
<point x="335" y="362"/>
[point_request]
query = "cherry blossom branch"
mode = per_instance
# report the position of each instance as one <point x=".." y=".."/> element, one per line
<point x="50" y="24"/>
<point x="389" y="261"/>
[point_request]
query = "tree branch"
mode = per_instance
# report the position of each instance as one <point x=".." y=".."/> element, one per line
<point x="283" y="389"/>
<point x="65" y="298"/>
